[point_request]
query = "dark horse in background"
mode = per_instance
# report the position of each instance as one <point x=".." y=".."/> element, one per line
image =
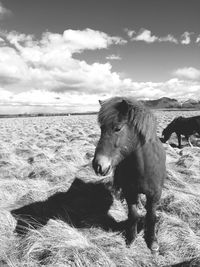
<point x="182" y="126"/>
<point x="130" y="147"/>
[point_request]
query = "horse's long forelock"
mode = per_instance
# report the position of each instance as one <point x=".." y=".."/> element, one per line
<point x="138" y="116"/>
<point x="106" y="116"/>
<point x="145" y="123"/>
<point x="108" y="113"/>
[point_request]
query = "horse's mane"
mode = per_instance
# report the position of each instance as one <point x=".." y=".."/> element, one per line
<point x="134" y="112"/>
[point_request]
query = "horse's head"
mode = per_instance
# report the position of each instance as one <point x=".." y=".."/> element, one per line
<point x="165" y="135"/>
<point x="171" y="127"/>
<point x="125" y="124"/>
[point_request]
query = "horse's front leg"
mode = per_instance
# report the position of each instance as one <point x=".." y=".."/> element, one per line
<point x="179" y="139"/>
<point x="133" y="217"/>
<point x="188" y="139"/>
<point x="150" y="221"/>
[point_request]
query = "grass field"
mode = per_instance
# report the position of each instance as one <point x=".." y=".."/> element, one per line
<point x="41" y="156"/>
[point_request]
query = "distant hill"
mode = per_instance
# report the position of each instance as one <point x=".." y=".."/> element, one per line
<point x="191" y="103"/>
<point x="168" y="103"/>
<point x="164" y="102"/>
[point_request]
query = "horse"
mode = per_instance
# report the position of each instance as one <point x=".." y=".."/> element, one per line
<point x="129" y="147"/>
<point x="182" y="126"/>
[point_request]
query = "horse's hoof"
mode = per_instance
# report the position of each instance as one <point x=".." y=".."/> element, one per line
<point x="128" y="243"/>
<point x="129" y="239"/>
<point x="154" y="248"/>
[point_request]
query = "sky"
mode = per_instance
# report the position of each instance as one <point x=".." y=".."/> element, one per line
<point x="64" y="55"/>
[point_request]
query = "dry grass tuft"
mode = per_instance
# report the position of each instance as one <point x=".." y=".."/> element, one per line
<point x="41" y="156"/>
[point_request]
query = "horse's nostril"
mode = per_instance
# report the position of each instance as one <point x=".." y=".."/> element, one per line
<point x="107" y="170"/>
<point x="98" y="169"/>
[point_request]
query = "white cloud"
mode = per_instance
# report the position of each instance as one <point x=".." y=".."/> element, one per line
<point x="45" y="101"/>
<point x="130" y="33"/>
<point x="113" y="57"/>
<point x="4" y="11"/>
<point x="43" y="75"/>
<point x="12" y="66"/>
<point x="48" y="101"/>
<point x="198" y="39"/>
<point x="173" y="88"/>
<point x="185" y="38"/>
<point x="54" y="44"/>
<point x="188" y="73"/>
<point x="169" y="38"/>
<point x="5" y="95"/>
<point x="146" y="36"/>
<point x="34" y="70"/>
<point x="89" y="39"/>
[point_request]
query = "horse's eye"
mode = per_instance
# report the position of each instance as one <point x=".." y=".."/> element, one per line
<point x="117" y="128"/>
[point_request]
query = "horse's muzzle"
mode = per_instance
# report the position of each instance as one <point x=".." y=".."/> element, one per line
<point x="162" y="139"/>
<point x="101" y="165"/>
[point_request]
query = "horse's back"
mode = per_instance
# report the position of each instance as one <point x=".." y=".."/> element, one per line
<point x="197" y="123"/>
<point x="188" y="125"/>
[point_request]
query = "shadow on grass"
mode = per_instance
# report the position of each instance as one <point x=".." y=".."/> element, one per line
<point x="83" y="205"/>
<point x="195" y="262"/>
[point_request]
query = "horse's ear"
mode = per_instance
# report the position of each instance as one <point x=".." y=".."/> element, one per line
<point x="123" y="107"/>
<point x="101" y="102"/>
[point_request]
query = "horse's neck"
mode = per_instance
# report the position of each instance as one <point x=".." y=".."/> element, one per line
<point x="172" y="130"/>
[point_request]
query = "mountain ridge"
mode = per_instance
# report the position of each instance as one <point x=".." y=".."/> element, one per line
<point x="166" y="102"/>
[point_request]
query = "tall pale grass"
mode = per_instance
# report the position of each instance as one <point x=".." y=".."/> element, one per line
<point x="41" y="156"/>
